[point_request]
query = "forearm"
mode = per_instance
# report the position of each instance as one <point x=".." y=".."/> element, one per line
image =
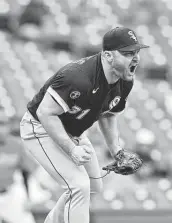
<point x="54" y="127"/>
<point x="109" y="128"/>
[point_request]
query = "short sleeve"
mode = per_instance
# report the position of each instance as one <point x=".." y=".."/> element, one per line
<point x="63" y="92"/>
<point x="120" y="107"/>
<point x="127" y="86"/>
<point x="117" y="102"/>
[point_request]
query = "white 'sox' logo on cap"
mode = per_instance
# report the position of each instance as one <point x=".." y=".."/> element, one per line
<point x="132" y="36"/>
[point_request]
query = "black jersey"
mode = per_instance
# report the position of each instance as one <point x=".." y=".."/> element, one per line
<point x="83" y="92"/>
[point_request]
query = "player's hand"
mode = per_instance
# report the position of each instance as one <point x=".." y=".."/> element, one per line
<point x="81" y="154"/>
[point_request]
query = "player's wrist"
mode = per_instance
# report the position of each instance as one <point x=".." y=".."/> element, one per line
<point x="71" y="149"/>
<point x="73" y="144"/>
<point x="114" y="146"/>
<point x="115" y="150"/>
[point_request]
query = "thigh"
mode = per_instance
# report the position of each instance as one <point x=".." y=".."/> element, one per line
<point x="93" y="167"/>
<point x="52" y="158"/>
<point x="56" y="162"/>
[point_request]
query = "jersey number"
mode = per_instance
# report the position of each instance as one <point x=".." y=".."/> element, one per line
<point x="82" y="114"/>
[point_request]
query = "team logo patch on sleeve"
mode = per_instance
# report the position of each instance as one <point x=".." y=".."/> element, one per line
<point x="75" y="94"/>
<point x="114" y="102"/>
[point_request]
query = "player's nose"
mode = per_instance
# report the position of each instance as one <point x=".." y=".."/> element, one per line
<point x="136" y="58"/>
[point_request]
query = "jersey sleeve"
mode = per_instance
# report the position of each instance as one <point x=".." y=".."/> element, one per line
<point x="65" y="90"/>
<point x="127" y="86"/>
<point x="115" y="104"/>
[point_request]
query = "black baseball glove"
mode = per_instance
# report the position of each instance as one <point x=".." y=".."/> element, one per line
<point x="126" y="162"/>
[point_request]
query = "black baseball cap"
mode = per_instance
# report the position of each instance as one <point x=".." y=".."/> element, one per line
<point x="123" y="39"/>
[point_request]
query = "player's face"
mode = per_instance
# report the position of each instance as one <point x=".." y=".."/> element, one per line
<point x="125" y="63"/>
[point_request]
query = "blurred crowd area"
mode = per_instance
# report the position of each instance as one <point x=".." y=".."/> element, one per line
<point x="37" y="37"/>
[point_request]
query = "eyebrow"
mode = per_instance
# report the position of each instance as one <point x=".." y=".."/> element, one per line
<point x="127" y="51"/>
<point x="134" y="51"/>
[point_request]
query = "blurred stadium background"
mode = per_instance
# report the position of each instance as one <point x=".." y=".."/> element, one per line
<point x="37" y="37"/>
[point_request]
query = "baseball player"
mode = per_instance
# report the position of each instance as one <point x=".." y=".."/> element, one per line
<point x="91" y="89"/>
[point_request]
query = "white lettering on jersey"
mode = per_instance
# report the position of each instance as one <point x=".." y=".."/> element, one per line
<point x="74" y="110"/>
<point x="114" y="102"/>
<point x="83" y="114"/>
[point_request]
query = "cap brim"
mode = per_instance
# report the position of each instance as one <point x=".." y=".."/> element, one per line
<point x="134" y="47"/>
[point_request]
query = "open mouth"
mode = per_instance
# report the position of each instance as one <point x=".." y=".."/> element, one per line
<point x="132" y="68"/>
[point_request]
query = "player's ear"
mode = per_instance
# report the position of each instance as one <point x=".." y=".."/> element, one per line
<point x="108" y="55"/>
